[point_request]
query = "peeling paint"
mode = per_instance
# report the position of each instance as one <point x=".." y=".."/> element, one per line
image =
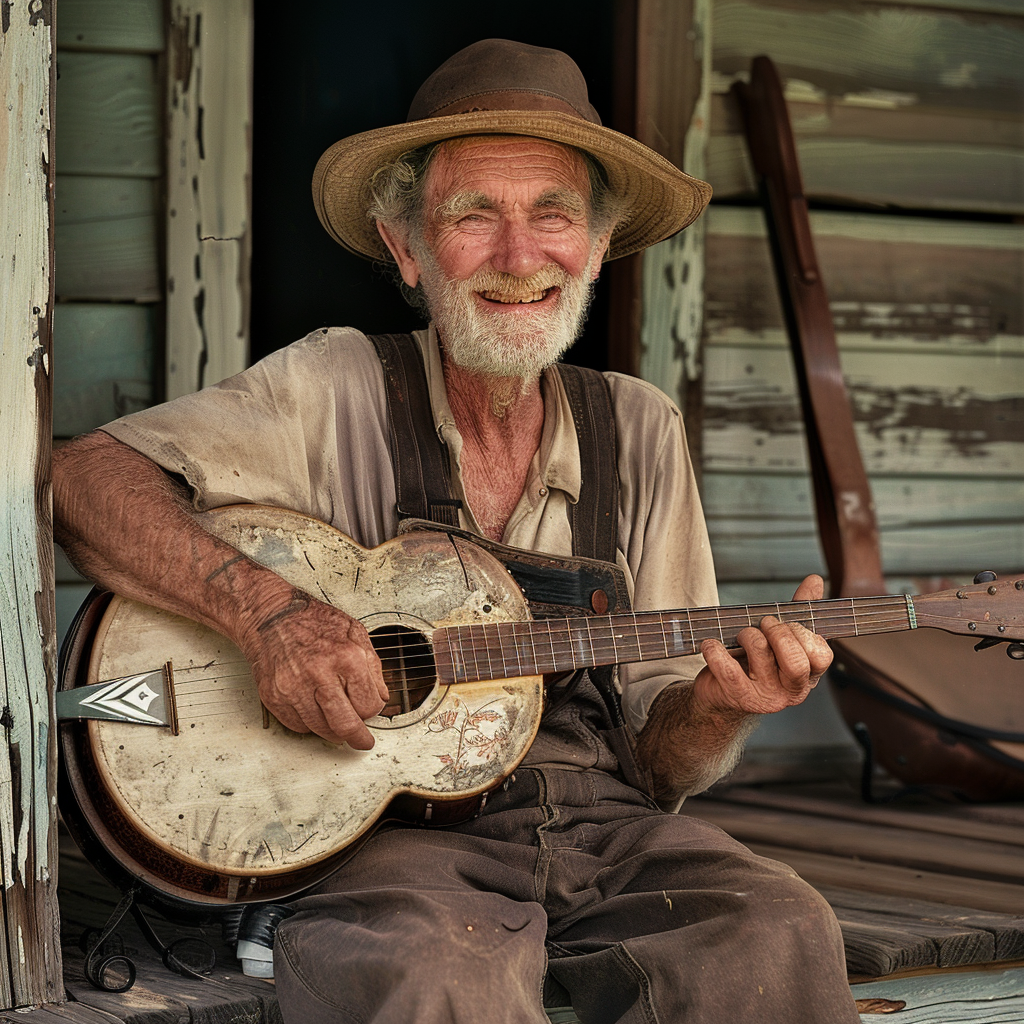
<point x="40" y="12"/>
<point x="208" y="192"/>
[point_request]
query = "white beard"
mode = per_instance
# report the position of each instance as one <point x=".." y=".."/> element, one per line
<point x="499" y="345"/>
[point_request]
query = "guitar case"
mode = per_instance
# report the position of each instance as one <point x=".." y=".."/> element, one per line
<point x="933" y="710"/>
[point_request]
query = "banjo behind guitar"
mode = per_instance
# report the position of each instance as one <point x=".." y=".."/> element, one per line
<point x="173" y="773"/>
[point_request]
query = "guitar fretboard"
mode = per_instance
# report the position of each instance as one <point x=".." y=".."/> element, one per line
<point x="509" y="649"/>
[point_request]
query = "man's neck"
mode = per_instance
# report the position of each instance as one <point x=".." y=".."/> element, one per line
<point x="500" y="420"/>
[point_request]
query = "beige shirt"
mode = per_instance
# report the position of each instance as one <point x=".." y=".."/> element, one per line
<point x="306" y="428"/>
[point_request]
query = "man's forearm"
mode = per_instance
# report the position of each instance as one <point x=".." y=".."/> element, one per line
<point x="686" y="748"/>
<point x="126" y="524"/>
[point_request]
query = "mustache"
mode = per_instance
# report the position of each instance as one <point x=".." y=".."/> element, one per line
<point x="503" y="287"/>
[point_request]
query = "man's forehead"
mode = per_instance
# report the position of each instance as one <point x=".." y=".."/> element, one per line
<point x="487" y="162"/>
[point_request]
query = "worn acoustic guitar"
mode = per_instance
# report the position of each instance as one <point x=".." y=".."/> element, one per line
<point x="175" y="775"/>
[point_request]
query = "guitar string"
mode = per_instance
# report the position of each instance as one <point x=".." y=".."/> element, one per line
<point x="236" y="706"/>
<point x="565" y="642"/>
<point x="560" y="640"/>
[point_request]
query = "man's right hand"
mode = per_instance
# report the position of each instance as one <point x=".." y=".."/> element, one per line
<point x="317" y="671"/>
<point x="129" y="526"/>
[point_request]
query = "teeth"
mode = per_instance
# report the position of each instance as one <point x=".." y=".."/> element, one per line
<point x="514" y="299"/>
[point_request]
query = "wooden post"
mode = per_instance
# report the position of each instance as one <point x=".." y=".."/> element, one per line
<point x="30" y="963"/>
<point x="663" y="74"/>
<point x="209" y="97"/>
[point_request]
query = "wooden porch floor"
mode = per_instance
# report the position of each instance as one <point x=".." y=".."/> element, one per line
<point x="929" y="896"/>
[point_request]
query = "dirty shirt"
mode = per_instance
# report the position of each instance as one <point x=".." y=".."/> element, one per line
<point x="306" y="428"/>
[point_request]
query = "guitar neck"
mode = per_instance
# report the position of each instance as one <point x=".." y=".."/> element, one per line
<point x="509" y="649"/>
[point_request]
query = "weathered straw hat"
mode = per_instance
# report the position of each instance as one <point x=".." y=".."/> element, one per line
<point x="499" y="87"/>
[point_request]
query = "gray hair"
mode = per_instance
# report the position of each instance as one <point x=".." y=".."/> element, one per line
<point x="398" y="193"/>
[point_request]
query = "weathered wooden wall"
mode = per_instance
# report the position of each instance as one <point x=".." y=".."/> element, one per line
<point x="30" y="963"/>
<point x="662" y="97"/>
<point x="909" y="122"/>
<point x="929" y="321"/>
<point x="209" y="100"/>
<point x="896" y="107"/>
<point x="110" y="159"/>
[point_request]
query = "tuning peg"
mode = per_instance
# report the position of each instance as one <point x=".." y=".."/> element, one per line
<point x="1015" y="651"/>
<point x="985" y="576"/>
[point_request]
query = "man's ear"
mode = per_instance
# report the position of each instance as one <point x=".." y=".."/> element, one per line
<point x="398" y="246"/>
<point x="600" y="251"/>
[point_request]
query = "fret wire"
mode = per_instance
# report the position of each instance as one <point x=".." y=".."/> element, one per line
<point x="533" y="648"/>
<point x="488" y="628"/>
<point x="462" y="657"/>
<point x="636" y="631"/>
<point x="546" y="623"/>
<point x="501" y="648"/>
<point x="611" y="633"/>
<point x="720" y="633"/>
<point x="664" y="635"/>
<point x="521" y="652"/>
<point x="569" y="643"/>
<point x="853" y="613"/>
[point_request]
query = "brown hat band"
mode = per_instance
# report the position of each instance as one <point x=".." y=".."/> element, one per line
<point x="508" y="99"/>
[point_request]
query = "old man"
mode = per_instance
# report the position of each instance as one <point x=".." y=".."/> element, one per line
<point x="497" y="201"/>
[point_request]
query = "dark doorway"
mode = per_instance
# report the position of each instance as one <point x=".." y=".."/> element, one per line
<point x="324" y="70"/>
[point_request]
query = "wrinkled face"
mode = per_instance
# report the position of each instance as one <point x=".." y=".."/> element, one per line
<point x="507" y="258"/>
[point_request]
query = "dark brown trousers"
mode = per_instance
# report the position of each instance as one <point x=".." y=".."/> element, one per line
<point x="638" y="915"/>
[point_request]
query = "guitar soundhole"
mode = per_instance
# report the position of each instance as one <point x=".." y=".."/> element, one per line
<point x="408" y="664"/>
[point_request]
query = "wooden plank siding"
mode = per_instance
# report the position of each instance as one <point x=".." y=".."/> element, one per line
<point x="209" y="101"/>
<point x="107" y="360"/>
<point x="30" y="961"/>
<point x="109" y="211"/>
<point x="674" y="118"/>
<point x="107" y="237"/>
<point x="931" y="331"/>
<point x="108" y="332"/>
<point x="895" y="105"/>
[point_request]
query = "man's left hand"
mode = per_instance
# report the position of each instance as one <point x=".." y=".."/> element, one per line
<point x="780" y="664"/>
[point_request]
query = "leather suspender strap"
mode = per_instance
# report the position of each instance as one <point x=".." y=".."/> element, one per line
<point x="418" y="455"/>
<point x="595" y="517"/>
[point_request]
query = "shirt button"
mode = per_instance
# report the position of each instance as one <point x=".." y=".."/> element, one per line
<point x="543" y="491"/>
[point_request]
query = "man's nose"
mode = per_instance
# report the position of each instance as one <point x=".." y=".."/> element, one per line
<point x="517" y="250"/>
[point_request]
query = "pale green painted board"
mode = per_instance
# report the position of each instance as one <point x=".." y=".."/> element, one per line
<point x="937" y="414"/>
<point x="909" y="175"/>
<point x="901" y="503"/>
<point x="939" y="58"/>
<point x="793" y="552"/>
<point x="103" y="363"/>
<point x="107" y="238"/>
<point x="762" y="526"/>
<point x="109" y="259"/>
<point x="971" y="997"/>
<point x="83" y="198"/>
<point x="135" y="26"/>
<point x="68" y="599"/>
<point x="108" y="114"/>
<point x="748" y="221"/>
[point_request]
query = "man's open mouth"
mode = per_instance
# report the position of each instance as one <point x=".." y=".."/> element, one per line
<point x="518" y="298"/>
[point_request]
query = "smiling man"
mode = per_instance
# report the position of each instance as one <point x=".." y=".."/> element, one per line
<point x="497" y="201"/>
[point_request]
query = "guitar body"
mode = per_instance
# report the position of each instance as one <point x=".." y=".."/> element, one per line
<point x="236" y="808"/>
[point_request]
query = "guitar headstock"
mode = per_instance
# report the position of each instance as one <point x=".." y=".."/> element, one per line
<point x="993" y="608"/>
